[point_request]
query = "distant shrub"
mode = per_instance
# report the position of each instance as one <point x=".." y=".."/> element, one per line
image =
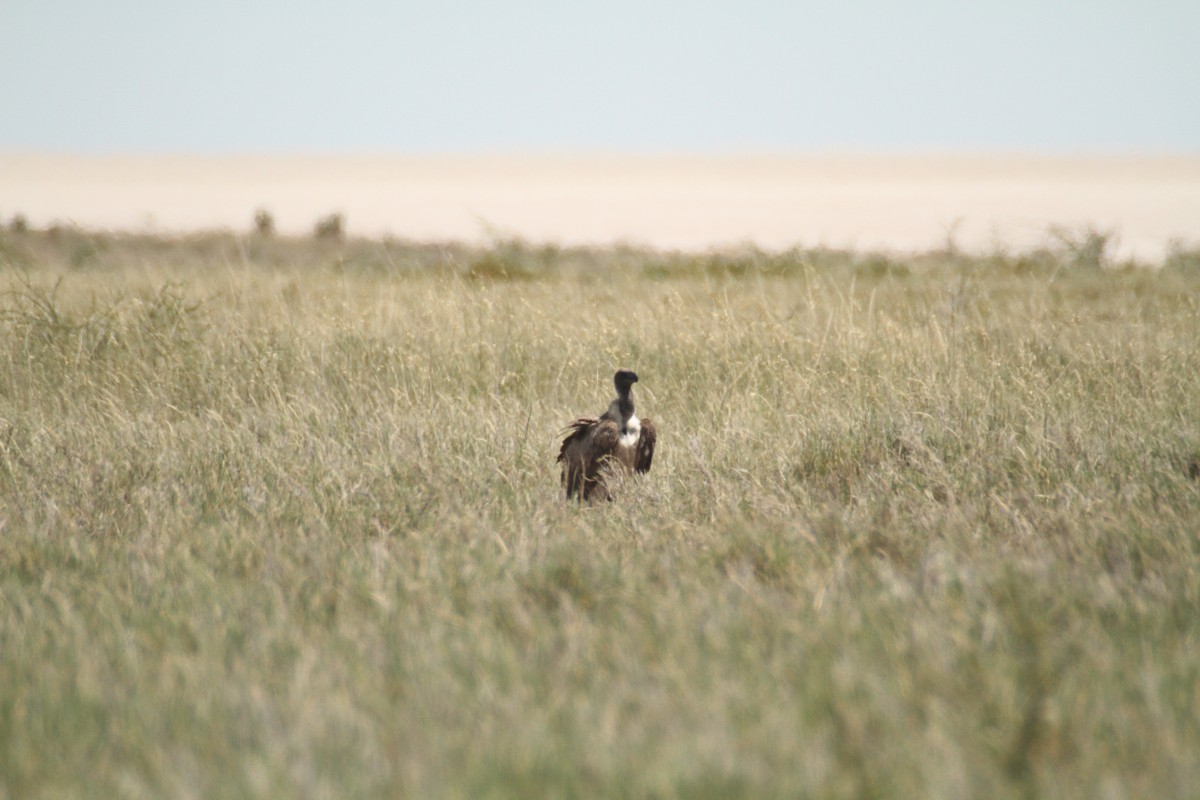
<point x="1183" y="258"/>
<point x="879" y="265"/>
<point x="1041" y="261"/>
<point x="746" y="262"/>
<point x="950" y="247"/>
<point x="264" y="223"/>
<point x="1084" y="249"/>
<point x="330" y="227"/>
<point x="18" y="224"/>
<point x="731" y="265"/>
<point x="84" y="253"/>
<point x="14" y="252"/>
<point x="498" y="265"/>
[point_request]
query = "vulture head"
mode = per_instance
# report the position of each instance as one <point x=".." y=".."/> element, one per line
<point x="624" y="381"/>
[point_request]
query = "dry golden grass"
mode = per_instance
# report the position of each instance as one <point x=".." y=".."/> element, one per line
<point x="281" y="518"/>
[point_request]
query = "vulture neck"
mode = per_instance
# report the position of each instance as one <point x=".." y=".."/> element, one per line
<point x="621" y="409"/>
<point x="625" y="402"/>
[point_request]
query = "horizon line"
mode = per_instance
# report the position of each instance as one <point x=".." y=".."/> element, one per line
<point x="838" y="152"/>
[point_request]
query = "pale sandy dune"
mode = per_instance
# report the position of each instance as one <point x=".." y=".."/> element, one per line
<point x="901" y="203"/>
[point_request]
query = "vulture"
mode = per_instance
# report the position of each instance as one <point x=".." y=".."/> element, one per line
<point x="597" y="449"/>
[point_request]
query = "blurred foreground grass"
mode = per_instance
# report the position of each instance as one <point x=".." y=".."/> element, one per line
<point x="281" y="519"/>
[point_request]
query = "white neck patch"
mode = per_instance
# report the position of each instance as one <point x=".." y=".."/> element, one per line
<point x="633" y="432"/>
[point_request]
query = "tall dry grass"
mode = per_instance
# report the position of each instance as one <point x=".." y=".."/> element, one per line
<point x="281" y="518"/>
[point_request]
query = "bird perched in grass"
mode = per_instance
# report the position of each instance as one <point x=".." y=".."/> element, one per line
<point x="597" y="450"/>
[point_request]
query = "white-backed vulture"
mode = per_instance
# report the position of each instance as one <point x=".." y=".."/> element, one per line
<point x="596" y="449"/>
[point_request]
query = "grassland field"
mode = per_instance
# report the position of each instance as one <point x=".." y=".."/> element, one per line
<point x="280" y="518"/>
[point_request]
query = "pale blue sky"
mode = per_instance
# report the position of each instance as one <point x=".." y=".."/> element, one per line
<point x="343" y="76"/>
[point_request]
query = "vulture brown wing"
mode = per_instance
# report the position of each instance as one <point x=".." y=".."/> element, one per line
<point x="584" y="453"/>
<point x="575" y="432"/>
<point x="600" y="448"/>
<point x="645" y="446"/>
<point x="571" y="454"/>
